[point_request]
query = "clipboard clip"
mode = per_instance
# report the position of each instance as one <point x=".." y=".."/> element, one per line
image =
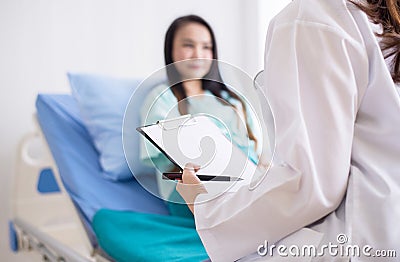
<point x="175" y="123"/>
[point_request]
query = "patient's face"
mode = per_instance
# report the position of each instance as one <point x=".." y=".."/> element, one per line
<point x="192" y="41"/>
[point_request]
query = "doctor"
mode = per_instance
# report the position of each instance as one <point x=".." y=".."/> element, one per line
<point x="337" y="145"/>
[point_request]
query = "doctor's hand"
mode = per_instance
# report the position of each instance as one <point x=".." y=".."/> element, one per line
<point x="190" y="186"/>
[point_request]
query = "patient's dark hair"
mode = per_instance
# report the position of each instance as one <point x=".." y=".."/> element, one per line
<point x="212" y="81"/>
<point x="387" y="14"/>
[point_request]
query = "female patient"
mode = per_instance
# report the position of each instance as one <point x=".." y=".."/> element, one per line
<point x="191" y="40"/>
<point x="152" y="237"/>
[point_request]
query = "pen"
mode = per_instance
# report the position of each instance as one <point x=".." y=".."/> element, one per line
<point x="178" y="176"/>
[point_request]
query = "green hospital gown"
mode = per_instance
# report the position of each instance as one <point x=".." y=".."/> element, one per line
<point x="133" y="236"/>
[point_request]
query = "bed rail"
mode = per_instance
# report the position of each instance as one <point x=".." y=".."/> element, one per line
<point x="46" y="220"/>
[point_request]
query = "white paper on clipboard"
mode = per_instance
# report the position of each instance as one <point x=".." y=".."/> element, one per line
<point x="197" y="139"/>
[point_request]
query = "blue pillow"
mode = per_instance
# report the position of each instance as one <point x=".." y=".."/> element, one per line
<point x="102" y="101"/>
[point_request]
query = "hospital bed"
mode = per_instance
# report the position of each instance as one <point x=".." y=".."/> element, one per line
<point x="58" y="187"/>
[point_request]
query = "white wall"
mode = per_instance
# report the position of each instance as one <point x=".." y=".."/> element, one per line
<point x="41" y="40"/>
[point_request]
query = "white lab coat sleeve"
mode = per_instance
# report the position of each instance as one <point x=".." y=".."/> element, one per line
<point x="312" y="75"/>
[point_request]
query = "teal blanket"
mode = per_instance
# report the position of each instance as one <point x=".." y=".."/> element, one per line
<point x="130" y="236"/>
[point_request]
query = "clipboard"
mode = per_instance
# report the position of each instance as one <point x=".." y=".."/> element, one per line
<point x="175" y="122"/>
<point x="198" y="139"/>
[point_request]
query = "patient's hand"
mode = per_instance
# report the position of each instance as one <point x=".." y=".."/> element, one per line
<point x="190" y="186"/>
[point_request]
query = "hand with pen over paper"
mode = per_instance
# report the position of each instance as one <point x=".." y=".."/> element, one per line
<point x="190" y="186"/>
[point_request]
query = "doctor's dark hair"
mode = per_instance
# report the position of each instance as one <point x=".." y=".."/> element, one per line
<point x="216" y="86"/>
<point x="387" y="14"/>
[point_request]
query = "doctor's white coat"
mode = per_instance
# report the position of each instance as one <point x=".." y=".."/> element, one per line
<point x="337" y="129"/>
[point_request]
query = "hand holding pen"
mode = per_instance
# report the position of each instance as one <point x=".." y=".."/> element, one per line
<point x="178" y="176"/>
<point x="202" y="177"/>
<point x="190" y="186"/>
